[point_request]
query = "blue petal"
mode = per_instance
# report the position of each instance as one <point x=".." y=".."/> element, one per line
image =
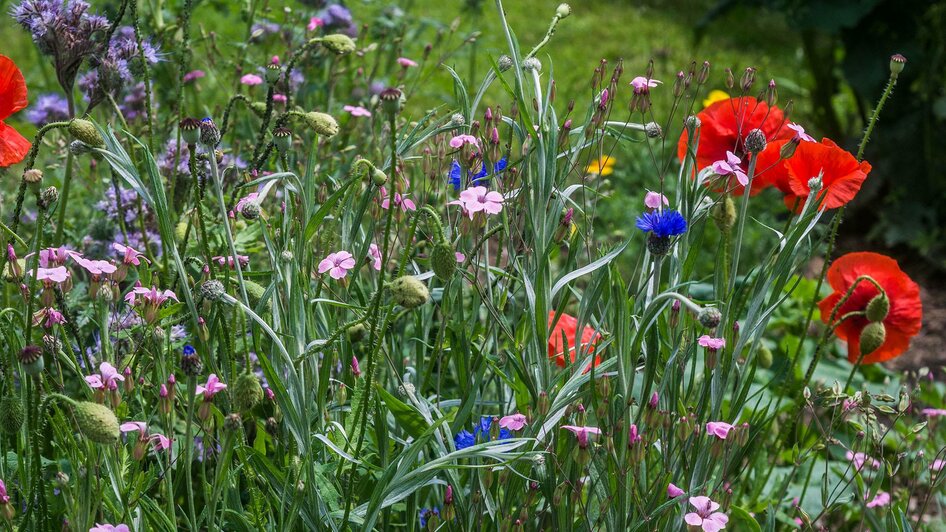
<point x="500" y="166"/>
<point x="455" y="176"/>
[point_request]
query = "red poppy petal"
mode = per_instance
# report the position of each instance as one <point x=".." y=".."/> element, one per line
<point x="13" y="147"/>
<point x="12" y="88"/>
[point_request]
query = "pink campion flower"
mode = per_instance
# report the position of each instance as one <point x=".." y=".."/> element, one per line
<point x="96" y="268"/>
<point x="150" y="296"/>
<point x="52" y="257"/>
<point x="859" y="460"/>
<point x="251" y="80"/>
<point x="731" y="167"/>
<point x="337" y="264"/>
<point x="4" y="497"/>
<point x="194" y="75"/>
<point x="512" y="422"/>
<point x="800" y="132"/>
<point x="476" y="199"/>
<point x="706" y="516"/>
<point x="374" y="254"/>
<point x="134" y="426"/>
<point x="633" y="436"/>
<point x="356" y="110"/>
<point x="881" y="499"/>
<point x="281" y="98"/>
<point x="106" y="379"/>
<point x="709" y="342"/>
<point x="937" y="465"/>
<point x="269" y="393"/>
<point x="720" y="429"/>
<point x="643" y="85"/>
<point x="315" y="23"/>
<point x="402" y="202"/>
<point x="48" y="317"/>
<point x="581" y="433"/>
<point x="355" y="367"/>
<point x="109" y="528"/>
<point x="50" y="276"/>
<point x="129" y="255"/>
<point x="673" y="492"/>
<point x="654" y="200"/>
<point x="211" y="388"/>
<point x="229" y="262"/>
<point x="458" y="141"/>
<point x="459" y="256"/>
<point x="406" y="63"/>
<point x="933" y="412"/>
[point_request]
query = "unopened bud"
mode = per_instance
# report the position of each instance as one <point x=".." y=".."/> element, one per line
<point x="872" y="337"/>
<point x="897" y="63"/>
<point x="338" y="44"/>
<point x="755" y="141"/>
<point x="85" y="131"/>
<point x="878" y="308"/>
<point x="563" y="10"/>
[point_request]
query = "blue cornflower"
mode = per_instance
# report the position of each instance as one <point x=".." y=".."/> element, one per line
<point x="487" y="170"/>
<point x="483" y="427"/>
<point x="464" y="439"/>
<point x="504" y="434"/>
<point x="426" y="513"/>
<point x="662" y="224"/>
<point x="189" y="350"/>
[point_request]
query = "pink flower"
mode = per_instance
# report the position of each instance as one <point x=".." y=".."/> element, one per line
<point x="355" y="368"/>
<point x="252" y="197"/>
<point x="633" y="436"/>
<point x="109" y="528"/>
<point x="229" y="262"/>
<point x="720" y="429"/>
<point x="709" y="342"/>
<point x="315" y="23"/>
<point x="512" y="422"/>
<point x="106" y="379"/>
<point x="458" y="141"/>
<point x="860" y="459"/>
<point x="192" y="75"/>
<point x="933" y="412"/>
<point x="406" y="63"/>
<point x="643" y="85"/>
<point x="212" y="388"/>
<point x="96" y="268"/>
<point x="52" y="257"/>
<point x="706" y="516"/>
<point x="134" y="426"/>
<point x="337" y="264"/>
<point x="581" y="433"/>
<point x="881" y="499"/>
<point x="673" y="492"/>
<point x="130" y="256"/>
<point x="731" y="166"/>
<point x="459" y="256"/>
<point x="476" y="199"/>
<point x="151" y="296"/>
<point x="403" y="202"/>
<point x="161" y="442"/>
<point x="4" y="498"/>
<point x="800" y="132"/>
<point x="49" y="317"/>
<point x="374" y="253"/>
<point x="56" y="275"/>
<point x="251" y="80"/>
<point x="938" y="464"/>
<point x="653" y="200"/>
<point x="356" y="110"/>
<point x="281" y="98"/>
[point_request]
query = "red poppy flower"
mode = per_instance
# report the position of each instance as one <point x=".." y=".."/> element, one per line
<point x="841" y="174"/>
<point x="724" y="125"/>
<point x="13" y="147"/>
<point x="905" y="314"/>
<point x="569" y="326"/>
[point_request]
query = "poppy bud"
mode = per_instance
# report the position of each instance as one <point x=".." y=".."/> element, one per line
<point x="872" y="337"/>
<point x="338" y="44"/>
<point x="724" y="214"/>
<point x="247" y="392"/>
<point x="86" y="132"/>
<point x="11" y="414"/>
<point x="443" y="260"/>
<point x="765" y="357"/>
<point x="878" y="308"/>
<point x="282" y="138"/>
<point x="322" y="123"/>
<point x="357" y="333"/>
<point x="897" y="62"/>
<point x="409" y="292"/>
<point x="96" y="422"/>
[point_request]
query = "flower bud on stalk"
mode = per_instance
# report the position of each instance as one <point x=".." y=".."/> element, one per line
<point x="897" y="63"/>
<point x="748" y="79"/>
<point x="391" y="101"/>
<point x="409" y="292"/>
<point x="872" y="337"/>
<point x="85" y="131"/>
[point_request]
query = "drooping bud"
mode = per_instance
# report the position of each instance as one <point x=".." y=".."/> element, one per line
<point x="86" y="132"/>
<point x="409" y="292"/>
<point x="878" y="308"/>
<point x="724" y="214"/>
<point x="322" y="123"/>
<point x="755" y="141"/>
<point x="96" y="422"/>
<point x="897" y="63"/>
<point x="709" y="317"/>
<point x="443" y="260"/>
<point x="338" y="44"/>
<point x="872" y="337"/>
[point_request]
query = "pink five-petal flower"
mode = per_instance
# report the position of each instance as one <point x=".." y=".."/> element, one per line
<point x="709" y="342"/>
<point x="406" y="63"/>
<point x="673" y="492"/>
<point x="731" y="166"/>
<point x="212" y="388"/>
<point x="720" y="429"/>
<point x="251" y="80"/>
<point x="861" y="459"/>
<point x="933" y="412"/>
<point x="458" y="141"/>
<point x="476" y="199"/>
<point x="59" y="274"/>
<point x="110" y="376"/>
<point x="581" y="433"/>
<point x="512" y="422"/>
<point x="356" y="110"/>
<point x="706" y="516"/>
<point x="800" y="132"/>
<point x="315" y="23"/>
<point x="643" y="85"/>
<point x="193" y="75"/>
<point x="881" y="499"/>
<point x="109" y="528"/>
<point x="337" y="264"/>
<point x="94" y="381"/>
<point x="130" y="255"/>
<point x="654" y="200"/>
<point x="96" y="268"/>
<point x="374" y="253"/>
<point x="134" y="426"/>
<point x="938" y="464"/>
<point x="161" y="442"/>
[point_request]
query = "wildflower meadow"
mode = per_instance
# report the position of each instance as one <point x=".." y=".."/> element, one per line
<point x="276" y="265"/>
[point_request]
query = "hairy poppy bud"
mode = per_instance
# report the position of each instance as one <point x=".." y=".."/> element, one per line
<point x="878" y="308"/>
<point x="897" y="62"/>
<point x="357" y="333"/>
<point x="247" y="392"/>
<point x="378" y="177"/>
<point x="11" y="414"/>
<point x="724" y="214"/>
<point x="765" y="357"/>
<point x="709" y="317"/>
<point x="322" y="123"/>
<point x="86" y="132"/>
<point x="409" y="292"/>
<point x="443" y="260"/>
<point x="872" y="337"/>
<point x="338" y="43"/>
<point x="755" y="141"/>
<point x="96" y="422"/>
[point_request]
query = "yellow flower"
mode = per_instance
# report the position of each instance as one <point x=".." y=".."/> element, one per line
<point x="603" y="166"/>
<point x="715" y="96"/>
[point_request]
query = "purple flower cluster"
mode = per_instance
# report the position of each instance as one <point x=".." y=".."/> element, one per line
<point x="48" y="108"/>
<point x="166" y="161"/>
<point x="64" y="30"/>
<point x="121" y="64"/>
<point x="338" y="18"/>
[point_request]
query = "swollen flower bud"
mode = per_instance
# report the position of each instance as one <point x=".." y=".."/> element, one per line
<point x="409" y="292"/>
<point x="771" y="93"/>
<point x="563" y="10"/>
<point x="209" y="134"/>
<point x="724" y="214"/>
<point x="872" y="337"/>
<point x="878" y="308"/>
<point x="11" y="414"/>
<point x="48" y="197"/>
<point x="897" y="63"/>
<point x="709" y="317"/>
<point x="86" y="132"/>
<point x="322" y="123"/>
<point x="443" y="260"/>
<point x="532" y="64"/>
<point x="338" y="43"/>
<point x="755" y="141"/>
<point x="247" y="392"/>
<point x="96" y="422"/>
<point x="504" y="63"/>
<point x="788" y="149"/>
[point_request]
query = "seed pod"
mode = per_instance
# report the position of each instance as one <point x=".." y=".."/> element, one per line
<point x="31" y="358"/>
<point x="190" y="130"/>
<point x="96" y="422"/>
<point x="391" y="101"/>
<point x="282" y="138"/>
<point x="338" y="44"/>
<point x="443" y="260"/>
<point x="872" y="337"/>
<point x="323" y="124"/>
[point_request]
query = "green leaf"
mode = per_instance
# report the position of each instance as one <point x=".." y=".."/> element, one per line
<point x="406" y="415"/>
<point x="739" y="519"/>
